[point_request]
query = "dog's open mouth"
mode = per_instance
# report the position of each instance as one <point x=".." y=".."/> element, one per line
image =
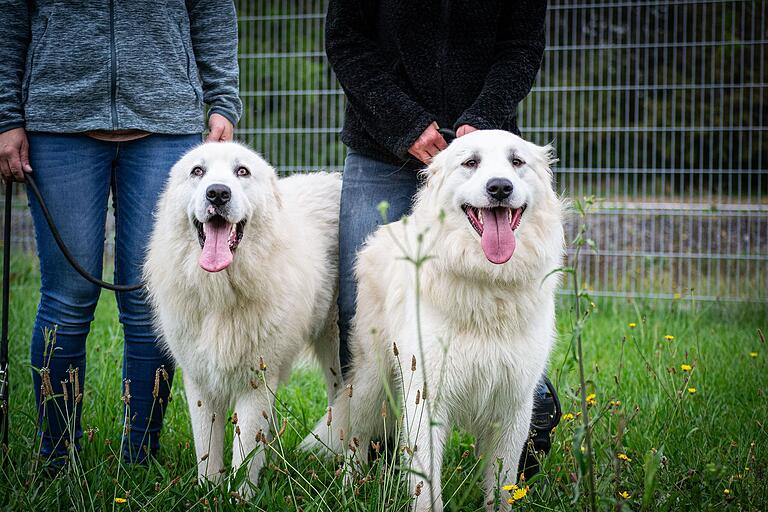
<point x="496" y="227"/>
<point x="218" y="239"/>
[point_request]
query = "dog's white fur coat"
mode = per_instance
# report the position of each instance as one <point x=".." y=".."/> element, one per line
<point x="486" y="330"/>
<point x="276" y="298"/>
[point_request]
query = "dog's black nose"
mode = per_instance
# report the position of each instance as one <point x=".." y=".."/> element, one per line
<point x="218" y="194"/>
<point x="499" y="188"/>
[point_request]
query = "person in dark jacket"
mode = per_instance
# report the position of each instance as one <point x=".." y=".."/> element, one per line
<point x="409" y="69"/>
<point x="99" y="96"/>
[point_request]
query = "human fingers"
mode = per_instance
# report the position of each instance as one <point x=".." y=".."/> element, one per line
<point x="432" y="137"/>
<point x="228" y="134"/>
<point x="24" y="155"/>
<point x="421" y="155"/>
<point x="440" y="143"/>
<point x="215" y="131"/>
<point x="465" y="129"/>
<point x="14" y="167"/>
<point x="5" y="170"/>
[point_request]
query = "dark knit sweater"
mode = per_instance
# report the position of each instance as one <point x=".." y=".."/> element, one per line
<point x="404" y="64"/>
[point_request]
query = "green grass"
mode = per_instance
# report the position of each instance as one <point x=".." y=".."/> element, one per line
<point x="704" y="443"/>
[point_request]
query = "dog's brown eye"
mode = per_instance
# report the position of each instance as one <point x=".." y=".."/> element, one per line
<point x="517" y="162"/>
<point x="242" y="171"/>
<point x="470" y="164"/>
<point x="197" y="171"/>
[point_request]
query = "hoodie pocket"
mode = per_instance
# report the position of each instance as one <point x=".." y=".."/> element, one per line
<point x="32" y="55"/>
<point x="192" y="75"/>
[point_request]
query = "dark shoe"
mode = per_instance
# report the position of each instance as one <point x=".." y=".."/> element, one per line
<point x="545" y="417"/>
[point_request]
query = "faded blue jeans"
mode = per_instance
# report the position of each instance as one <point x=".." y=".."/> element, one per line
<point x="75" y="174"/>
<point x="366" y="183"/>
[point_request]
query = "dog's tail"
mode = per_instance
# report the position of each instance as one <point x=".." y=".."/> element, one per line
<point x="360" y="412"/>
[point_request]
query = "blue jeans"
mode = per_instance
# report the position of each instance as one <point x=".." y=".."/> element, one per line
<point x="366" y="183"/>
<point x="75" y="174"/>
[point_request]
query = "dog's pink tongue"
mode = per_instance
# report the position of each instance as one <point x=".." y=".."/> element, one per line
<point x="216" y="255"/>
<point x="498" y="240"/>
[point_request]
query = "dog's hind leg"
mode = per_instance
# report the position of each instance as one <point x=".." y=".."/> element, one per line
<point x="208" y="419"/>
<point x="356" y="416"/>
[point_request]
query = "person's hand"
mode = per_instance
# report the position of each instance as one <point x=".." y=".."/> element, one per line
<point x="219" y="129"/>
<point x="465" y="129"/>
<point x="14" y="154"/>
<point x="429" y="143"/>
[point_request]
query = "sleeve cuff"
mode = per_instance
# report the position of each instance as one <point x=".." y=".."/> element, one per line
<point x="10" y="125"/>
<point x="231" y="117"/>
<point x="418" y="126"/>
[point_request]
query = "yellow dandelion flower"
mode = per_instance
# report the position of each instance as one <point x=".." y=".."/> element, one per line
<point x="691" y="391"/>
<point x="516" y="491"/>
<point x="753" y="355"/>
<point x="623" y="456"/>
<point x="632" y="325"/>
<point x="615" y="403"/>
<point x="520" y="493"/>
<point x="591" y="399"/>
<point x="625" y="495"/>
<point x="686" y="367"/>
<point x="669" y="337"/>
<point x="568" y="416"/>
<point x="120" y="501"/>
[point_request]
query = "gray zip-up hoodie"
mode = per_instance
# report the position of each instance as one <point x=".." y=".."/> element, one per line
<point x="69" y="66"/>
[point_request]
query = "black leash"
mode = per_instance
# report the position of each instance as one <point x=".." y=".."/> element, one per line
<point x="65" y="251"/>
<point x="4" y="331"/>
<point x="447" y="134"/>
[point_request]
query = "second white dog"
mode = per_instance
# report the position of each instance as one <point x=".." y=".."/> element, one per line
<point x="242" y="275"/>
<point x="459" y="287"/>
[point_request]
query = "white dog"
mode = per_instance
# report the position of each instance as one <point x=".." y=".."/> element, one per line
<point x="242" y="273"/>
<point x="476" y="321"/>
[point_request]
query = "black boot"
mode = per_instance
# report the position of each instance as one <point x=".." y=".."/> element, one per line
<point x="545" y="417"/>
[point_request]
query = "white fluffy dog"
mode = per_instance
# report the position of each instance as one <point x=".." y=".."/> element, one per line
<point x="472" y="327"/>
<point x="241" y="272"/>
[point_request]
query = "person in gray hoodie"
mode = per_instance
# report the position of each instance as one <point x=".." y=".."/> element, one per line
<point x="96" y="97"/>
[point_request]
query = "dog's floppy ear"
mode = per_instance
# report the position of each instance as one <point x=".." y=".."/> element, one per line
<point x="549" y="154"/>
<point x="546" y="157"/>
<point x="435" y="172"/>
<point x="434" y="178"/>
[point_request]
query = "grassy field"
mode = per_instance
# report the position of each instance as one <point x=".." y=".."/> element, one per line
<point x="691" y="440"/>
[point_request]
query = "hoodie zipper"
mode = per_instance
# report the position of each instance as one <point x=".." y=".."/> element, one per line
<point x="113" y="64"/>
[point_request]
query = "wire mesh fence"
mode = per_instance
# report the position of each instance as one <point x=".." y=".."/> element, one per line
<point x="657" y="107"/>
